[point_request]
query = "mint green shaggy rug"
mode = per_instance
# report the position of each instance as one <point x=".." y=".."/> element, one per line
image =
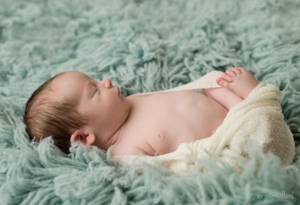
<point x="142" y="46"/>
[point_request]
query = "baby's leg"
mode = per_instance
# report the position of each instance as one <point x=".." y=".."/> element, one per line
<point x="236" y="84"/>
<point x="223" y="96"/>
<point x="238" y="80"/>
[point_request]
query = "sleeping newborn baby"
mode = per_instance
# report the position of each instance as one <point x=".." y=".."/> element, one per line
<point x="72" y="106"/>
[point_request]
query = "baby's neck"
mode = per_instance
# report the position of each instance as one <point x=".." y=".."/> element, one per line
<point x="119" y="133"/>
<point x="134" y="100"/>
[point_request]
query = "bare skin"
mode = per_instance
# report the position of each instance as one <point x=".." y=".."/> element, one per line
<point x="153" y="124"/>
<point x="159" y="123"/>
<point x="238" y="80"/>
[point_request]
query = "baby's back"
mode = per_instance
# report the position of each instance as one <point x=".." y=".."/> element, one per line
<point x="160" y="122"/>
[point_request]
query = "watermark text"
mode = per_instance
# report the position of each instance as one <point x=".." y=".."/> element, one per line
<point x="277" y="196"/>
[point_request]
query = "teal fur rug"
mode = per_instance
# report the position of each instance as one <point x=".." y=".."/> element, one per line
<point x="142" y="46"/>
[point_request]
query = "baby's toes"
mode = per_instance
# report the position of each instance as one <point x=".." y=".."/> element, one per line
<point x="230" y="73"/>
<point x="222" y="82"/>
<point x="237" y="70"/>
<point x="227" y="77"/>
<point x="243" y="70"/>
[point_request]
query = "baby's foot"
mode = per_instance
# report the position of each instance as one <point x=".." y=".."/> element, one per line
<point x="238" y="80"/>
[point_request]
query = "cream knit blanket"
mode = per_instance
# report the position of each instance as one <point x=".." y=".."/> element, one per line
<point x="255" y="122"/>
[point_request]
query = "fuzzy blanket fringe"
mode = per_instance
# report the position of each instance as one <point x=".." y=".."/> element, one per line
<point x="143" y="46"/>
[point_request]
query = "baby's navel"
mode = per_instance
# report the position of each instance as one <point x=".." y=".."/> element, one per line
<point x="160" y="136"/>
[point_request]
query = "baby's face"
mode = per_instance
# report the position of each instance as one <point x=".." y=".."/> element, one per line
<point x="100" y="101"/>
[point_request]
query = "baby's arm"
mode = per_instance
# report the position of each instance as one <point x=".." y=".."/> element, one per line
<point x="223" y="96"/>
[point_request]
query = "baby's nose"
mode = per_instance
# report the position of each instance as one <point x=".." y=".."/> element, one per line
<point x="107" y="83"/>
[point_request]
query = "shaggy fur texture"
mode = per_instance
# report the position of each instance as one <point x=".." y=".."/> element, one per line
<point x="142" y="46"/>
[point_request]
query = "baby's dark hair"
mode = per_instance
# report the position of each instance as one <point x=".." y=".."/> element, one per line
<point x="45" y="117"/>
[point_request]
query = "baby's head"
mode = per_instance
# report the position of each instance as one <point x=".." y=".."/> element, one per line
<point x="71" y="107"/>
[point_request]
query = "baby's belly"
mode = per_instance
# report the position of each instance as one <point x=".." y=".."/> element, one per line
<point x="182" y="117"/>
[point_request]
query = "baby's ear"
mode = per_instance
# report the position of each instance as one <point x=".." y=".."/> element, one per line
<point x="86" y="138"/>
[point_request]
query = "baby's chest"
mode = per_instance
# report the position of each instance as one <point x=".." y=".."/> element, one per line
<point x="164" y="130"/>
<point x="163" y="122"/>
